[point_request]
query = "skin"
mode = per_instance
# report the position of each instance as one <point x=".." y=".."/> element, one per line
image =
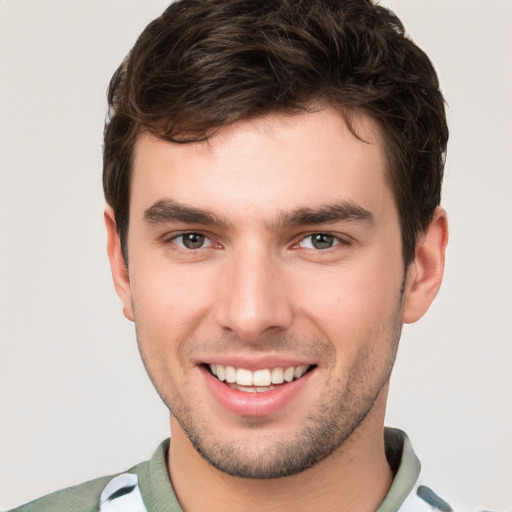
<point x="259" y="289"/>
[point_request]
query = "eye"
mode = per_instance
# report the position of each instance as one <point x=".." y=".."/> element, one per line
<point x="191" y="241"/>
<point x="319" y="241"/>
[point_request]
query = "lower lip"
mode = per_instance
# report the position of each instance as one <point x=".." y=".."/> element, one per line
<point x="254" y="404"/>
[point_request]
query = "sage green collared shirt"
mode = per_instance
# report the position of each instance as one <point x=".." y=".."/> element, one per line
<point x="147" y="488"/>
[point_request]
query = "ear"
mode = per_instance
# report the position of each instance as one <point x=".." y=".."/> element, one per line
<point x="426" y="271"/>
<point x="118" y="266"/>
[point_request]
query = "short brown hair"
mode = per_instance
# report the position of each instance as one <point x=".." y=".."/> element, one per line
<point x="205" y="64"/>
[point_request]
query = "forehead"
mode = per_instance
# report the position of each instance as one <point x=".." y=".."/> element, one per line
<point x="276" y="162"/>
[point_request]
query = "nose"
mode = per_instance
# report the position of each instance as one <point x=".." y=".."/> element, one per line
<point x="254" y="298"/>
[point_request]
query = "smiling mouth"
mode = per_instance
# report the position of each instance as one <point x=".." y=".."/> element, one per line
<point x="258" y="381"/>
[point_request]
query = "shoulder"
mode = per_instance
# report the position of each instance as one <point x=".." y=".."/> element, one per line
<point x="88" y="496"/>
<point x="83" y="498"/>
<point x="129" y="491"/>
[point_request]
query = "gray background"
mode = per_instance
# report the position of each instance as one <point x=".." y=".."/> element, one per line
<point x="75" y="402"/>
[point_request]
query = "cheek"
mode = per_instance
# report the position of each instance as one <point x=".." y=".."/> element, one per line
<point x="168" y="305"/>
<point x="350" y="303"/>
<point x="169" y="299"/>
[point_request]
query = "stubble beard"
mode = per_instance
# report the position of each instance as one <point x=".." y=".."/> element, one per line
<point x="327" y="428"/>
<point x="324" y="432"/>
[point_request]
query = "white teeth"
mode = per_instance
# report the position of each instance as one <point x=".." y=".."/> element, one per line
<point x="230" y="374"/>
<point x="259" y="380"/>
<point x="289" y="374"/>
<point x="300" y="371"/>
<point x="244" y="377"/>
<point x="221" y="373"/>
<point x="277" y="376"/>
<point x="252" y="389"/>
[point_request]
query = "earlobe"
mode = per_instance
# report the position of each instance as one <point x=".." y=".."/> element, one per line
<point x="118" y="266"/>
<point x="426" y="271"/>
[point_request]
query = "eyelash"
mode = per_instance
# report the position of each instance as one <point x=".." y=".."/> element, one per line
<point x="338" y="241"/>
<point x="175" y="236"/>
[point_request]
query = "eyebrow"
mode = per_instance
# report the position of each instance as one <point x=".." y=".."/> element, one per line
<point x="342" y="211"/>
<point x="167" y="210"/>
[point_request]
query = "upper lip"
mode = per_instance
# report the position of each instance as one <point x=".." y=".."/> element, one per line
<point x="255" y="362"/>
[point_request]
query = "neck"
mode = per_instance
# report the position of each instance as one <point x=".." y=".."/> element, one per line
<point x="355" y="478"/>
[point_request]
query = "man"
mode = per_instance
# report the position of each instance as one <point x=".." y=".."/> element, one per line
<point x="272" y="172"/>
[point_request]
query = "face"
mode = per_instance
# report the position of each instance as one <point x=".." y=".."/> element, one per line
<point x="265" y="281"/>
